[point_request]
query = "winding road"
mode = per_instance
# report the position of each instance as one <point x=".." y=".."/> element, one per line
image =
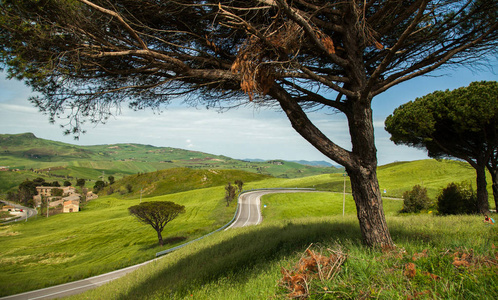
<point x="27" y="212"/>
<point x="248" y="213"/>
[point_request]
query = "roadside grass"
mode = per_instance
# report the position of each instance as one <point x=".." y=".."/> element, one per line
<point x="247" y="263"/>
<point x="317" y="204"/>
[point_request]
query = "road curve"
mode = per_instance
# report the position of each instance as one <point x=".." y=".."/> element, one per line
<point x="249" y="213"/>
<point x="27" y="212"/>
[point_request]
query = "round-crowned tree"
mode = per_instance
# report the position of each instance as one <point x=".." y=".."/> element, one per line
<point x="157" y="214"/>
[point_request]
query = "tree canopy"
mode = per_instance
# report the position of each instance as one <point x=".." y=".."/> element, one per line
<point x="157" y="214"/>
<point x="462" y="123"/>
<point x="85" y="58"/>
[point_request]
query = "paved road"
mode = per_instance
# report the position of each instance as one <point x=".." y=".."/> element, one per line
<point x="75" y="287"/>
<point x="249" y="213"/>
<point x="27" y="212"/>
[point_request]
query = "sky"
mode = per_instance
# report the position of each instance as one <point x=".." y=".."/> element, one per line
<point x="243" y="133"/>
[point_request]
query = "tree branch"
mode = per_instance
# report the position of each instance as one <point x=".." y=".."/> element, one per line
<point x="121" y="20"/>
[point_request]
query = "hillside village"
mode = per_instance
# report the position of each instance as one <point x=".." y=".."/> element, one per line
<point x="69" y="200"/>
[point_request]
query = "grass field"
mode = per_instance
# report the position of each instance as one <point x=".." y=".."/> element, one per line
<point x="246" y="263"/>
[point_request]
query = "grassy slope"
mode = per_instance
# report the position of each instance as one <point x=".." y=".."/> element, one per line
<point x="431" y="174"/>
<point x="246" y="263"/>
<point x="104" y="237"/>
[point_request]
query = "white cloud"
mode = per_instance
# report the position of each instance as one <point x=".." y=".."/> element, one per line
<point x="241" y="133"/>
<point x="16" y="108"/>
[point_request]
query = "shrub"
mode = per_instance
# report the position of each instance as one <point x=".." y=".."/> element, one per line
<point x="416" y="200"/>
<point x="457" y="199"/>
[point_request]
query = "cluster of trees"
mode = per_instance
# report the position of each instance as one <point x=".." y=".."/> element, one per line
<point x="231" y="192"/>
<point x="462" y="124"/>
<point x="453" y="199"/>
<point x="100" y="184"/>
<point x="85" y="58"/>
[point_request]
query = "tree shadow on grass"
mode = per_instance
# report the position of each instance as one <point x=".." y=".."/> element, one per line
<point x="240" y="256"/>
<point x="249" y="253"/>
<point x="168" y="241"/>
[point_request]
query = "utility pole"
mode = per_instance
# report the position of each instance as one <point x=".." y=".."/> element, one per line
<point x="344" y="193"/>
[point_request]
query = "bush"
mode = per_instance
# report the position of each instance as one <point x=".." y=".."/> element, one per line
<point x="416" y="200"/>
<point x="457" y="199"/>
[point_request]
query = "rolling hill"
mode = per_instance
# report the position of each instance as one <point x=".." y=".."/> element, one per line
<point x="33" y="157"/>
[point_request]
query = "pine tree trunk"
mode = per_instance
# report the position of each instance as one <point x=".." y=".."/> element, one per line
<point x="361" y="162"/>
<point x="366" y="194"/>
<point x="364" y="182"/>
<point x="482" y="191"/>
<point x="494" y="185"/>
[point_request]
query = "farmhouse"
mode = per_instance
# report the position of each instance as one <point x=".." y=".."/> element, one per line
<point x="69" y="201"/>
<point x="71" y="206"/>
<point x="49" y="191"/>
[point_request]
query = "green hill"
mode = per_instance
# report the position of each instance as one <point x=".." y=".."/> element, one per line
<point x="33" y="157"/>
<point x="177" y="180"/>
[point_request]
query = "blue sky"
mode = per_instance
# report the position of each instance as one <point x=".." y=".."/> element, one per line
<point x="242" y="133"/>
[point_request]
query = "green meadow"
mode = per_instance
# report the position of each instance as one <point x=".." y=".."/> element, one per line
<point x="247" y="263"/>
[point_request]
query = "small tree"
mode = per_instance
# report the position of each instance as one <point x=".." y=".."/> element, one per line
<point x="416" y="200"/>
<point x="229" y="193"/>
<point x="129" y="188"/>
<point x="157" y="214"/>
<point x="67" y="183"/>
<point x="457" y="199"/>
<point x="80" y="182"/>
<point x="57" y="192"/>
<point x="111" y="179"/>
<point x="99" y="185"/>
<point x="240" y="184"/>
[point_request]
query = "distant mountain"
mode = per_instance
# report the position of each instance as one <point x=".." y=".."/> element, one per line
<point x="314" y="163"/>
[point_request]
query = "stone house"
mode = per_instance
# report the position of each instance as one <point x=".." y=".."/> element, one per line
<point x="71" y="206"/>
<point x="47" y="191"/>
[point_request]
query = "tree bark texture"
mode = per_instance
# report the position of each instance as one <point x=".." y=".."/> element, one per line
<point x="482" y="191"/>
<point x="367" y="197"/>
<point x="494" y="178"/>
<point x="160" y="238"/>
